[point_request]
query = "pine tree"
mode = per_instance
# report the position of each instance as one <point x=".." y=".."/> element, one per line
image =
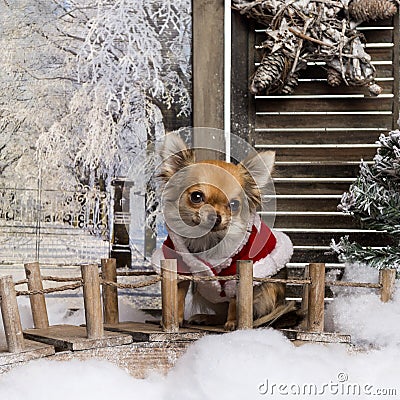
<point x="374" y="199"/>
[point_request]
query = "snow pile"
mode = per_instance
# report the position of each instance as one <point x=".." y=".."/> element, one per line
<point x="239" y="365"/>
<point x="74" y="379"/>
<point x="360" y="313"/>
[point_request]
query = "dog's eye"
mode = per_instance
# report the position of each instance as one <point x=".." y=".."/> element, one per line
<point x="234" y="205"/>
<point x="196" y="197"/>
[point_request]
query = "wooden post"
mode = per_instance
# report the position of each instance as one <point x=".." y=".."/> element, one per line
<point x="387" y="278"/>
<point x="10" y="313"/>
<point x="169" y="296"/>
<point x="38" y="302"/>
<point x="304" y="299"/>
<point x="110" y="293"/>
<point x="92" y="301"/>
<point x="316" y="296"/>
<point x="245" y="294"/>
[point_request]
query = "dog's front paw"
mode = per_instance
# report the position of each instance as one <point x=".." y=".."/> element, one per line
<point x="230" y="325"/>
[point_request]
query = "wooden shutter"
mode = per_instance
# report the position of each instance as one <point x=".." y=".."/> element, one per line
<point x="320" y="134"/>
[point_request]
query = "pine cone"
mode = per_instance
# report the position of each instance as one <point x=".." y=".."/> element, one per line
<point x="375" y="89"/>
<point x="334" y="78"/>
<point x="365" y="10"/>
<point x="268" y="73"/>
<point x="291" y="82"/>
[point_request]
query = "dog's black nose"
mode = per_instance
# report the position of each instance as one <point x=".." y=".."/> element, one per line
<point x="216" y="218"/>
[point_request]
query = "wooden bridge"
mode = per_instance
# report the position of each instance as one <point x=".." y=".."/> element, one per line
<point x="140" y="347"/>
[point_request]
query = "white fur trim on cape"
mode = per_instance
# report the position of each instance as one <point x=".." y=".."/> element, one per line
<point x="276" y="260"/>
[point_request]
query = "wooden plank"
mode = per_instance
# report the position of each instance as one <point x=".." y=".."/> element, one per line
<point x="245" y="294"/>
<point x="10" y="313"/>
<point x="109" y="293"/>
<point x="144" y="332"/>
<point x="267" y="137"/>
<point x="379" y="121"/>
<point x="208" y="69"/>
<point x="314" y="256"/>
<point x="92" y="301"/>
<point x="302" y="221"/>
<point x="38" y="301"/>
<point x="316" y="295"/>
<point x="299" y="205"/>
<point x="32" y="350"/>
<point x="169" y="294"/>
<point x="320" y="171"/>
<point x="69" y="337"/>
<point x="288" y="188"/>
<point x="323" y="337"/>
<point x="387" y="278"/>
<point x="354" y="154"/>
<point x="311" y="188"/>
<point x="139" y="359"/>
<point x="242" y="104"/>
<point x="323" y="104"/>
<point x="365" y="238"/>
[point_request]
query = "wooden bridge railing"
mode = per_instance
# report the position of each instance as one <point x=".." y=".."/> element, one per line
<point x="105" y="310"/>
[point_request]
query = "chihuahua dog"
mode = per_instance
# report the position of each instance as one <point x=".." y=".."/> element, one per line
<point x="210" y="213"/>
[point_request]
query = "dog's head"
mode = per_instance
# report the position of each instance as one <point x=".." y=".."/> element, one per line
<point x="204" y="200"/>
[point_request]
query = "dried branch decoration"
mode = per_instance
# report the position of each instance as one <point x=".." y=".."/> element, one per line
<point x="302" y="31"/>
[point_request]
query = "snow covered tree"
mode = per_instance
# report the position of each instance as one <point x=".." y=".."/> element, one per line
<point x="36" y="79"/>
<point x="133" y="59"/>
<point x="374" y="199"/>
<point x="85" y="82"/>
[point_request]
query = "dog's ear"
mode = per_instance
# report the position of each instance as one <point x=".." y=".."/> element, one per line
<point x="260" y="166"/>
<point x="175" y="156"/>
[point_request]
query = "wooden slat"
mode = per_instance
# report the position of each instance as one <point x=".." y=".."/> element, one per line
<point x="32" y="350"/>
<point x="307" y="204"/>
<point x="314" y="136"/>
<point x="242" y="105"/>
<point x="328" y="121"/>
<point x="365" y="238"/>
<point x="320" y="171"/>
<point x="316" y="221"/>
<point x="311" y="188"/>
<point x="322" y="154"/>
<point x="316" y="256"/>
<point x="142" y="332"/>
<point x="332" y="105"/>
<point x="69" y="337"/>
<point x="208" y="64"/>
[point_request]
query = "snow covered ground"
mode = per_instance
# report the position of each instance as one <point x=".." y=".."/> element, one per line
<point x="240" y="365"/>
